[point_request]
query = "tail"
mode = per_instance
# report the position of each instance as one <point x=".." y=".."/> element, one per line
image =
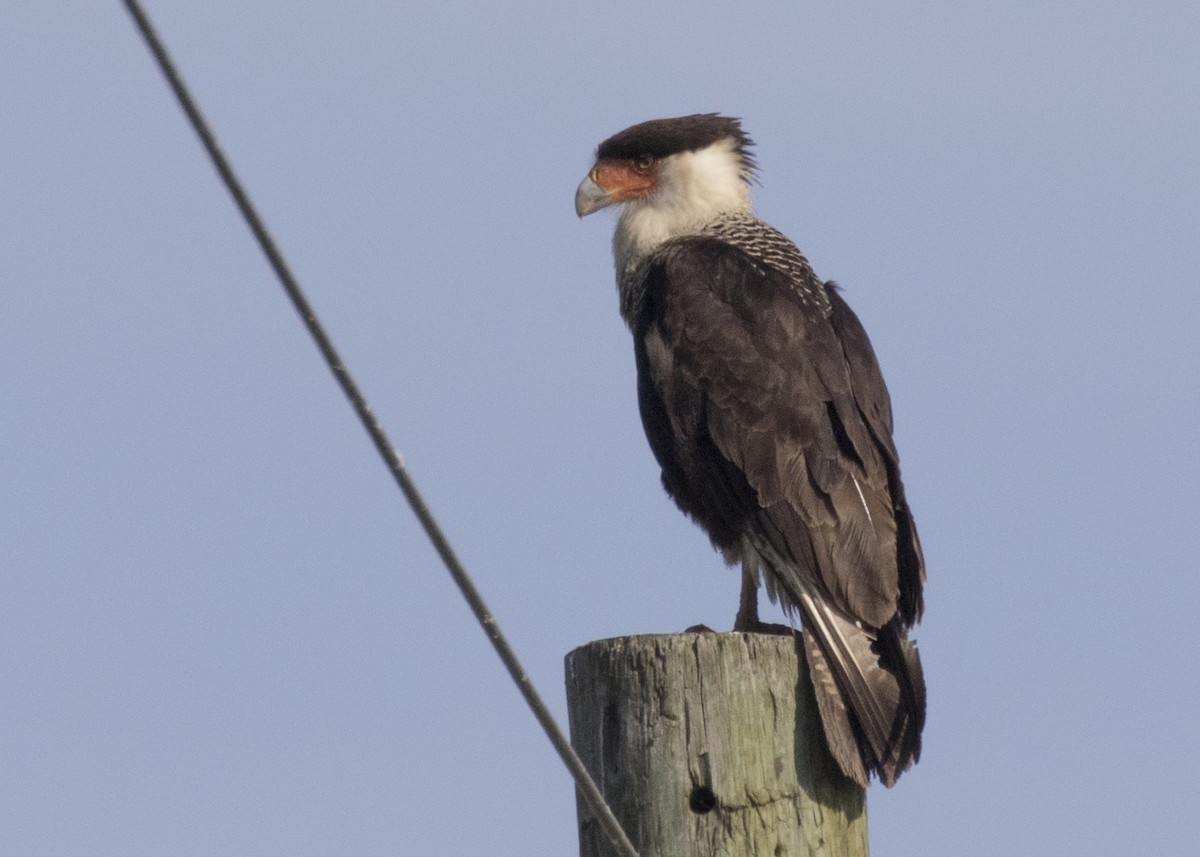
<point x="870" y="692"/>
<point x="868" y="682"/>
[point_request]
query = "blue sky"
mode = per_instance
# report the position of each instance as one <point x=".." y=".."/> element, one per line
<point x="222" y="633"/>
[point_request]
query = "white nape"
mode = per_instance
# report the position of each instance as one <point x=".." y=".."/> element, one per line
<point x="691" y="189"/>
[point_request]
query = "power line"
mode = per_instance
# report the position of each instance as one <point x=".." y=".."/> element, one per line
<point x="387" y="451"/>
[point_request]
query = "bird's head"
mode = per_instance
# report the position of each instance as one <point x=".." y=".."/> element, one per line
<point x="669" y="176"/>
<point x="706" y="155"/>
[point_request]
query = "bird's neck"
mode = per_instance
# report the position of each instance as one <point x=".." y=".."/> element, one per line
<point x="694" y="190"/>
<point x="642" y="229"/>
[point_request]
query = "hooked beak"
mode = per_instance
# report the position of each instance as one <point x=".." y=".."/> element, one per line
<point x="591" y="197"/>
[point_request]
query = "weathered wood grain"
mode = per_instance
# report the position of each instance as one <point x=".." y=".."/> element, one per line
<point x="709" y="744"/>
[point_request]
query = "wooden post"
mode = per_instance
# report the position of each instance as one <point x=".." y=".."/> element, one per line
<point x="709" y="744"/>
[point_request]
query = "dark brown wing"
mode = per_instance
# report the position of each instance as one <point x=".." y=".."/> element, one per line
<point x="771" y="423"/>
<point x="873" y="402"/>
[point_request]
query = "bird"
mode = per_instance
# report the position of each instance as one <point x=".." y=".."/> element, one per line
<point x="766" y="410"/>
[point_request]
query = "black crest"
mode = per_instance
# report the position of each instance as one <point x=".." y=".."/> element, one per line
<point x="659" y="138"/>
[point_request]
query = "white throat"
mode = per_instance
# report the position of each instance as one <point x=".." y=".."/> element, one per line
<point x="693" y="189"/>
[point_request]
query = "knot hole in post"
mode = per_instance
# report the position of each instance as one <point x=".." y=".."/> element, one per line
<point x="702" y="801"/>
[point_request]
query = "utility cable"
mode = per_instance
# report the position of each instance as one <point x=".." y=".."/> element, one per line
<point x="583" y="780"/>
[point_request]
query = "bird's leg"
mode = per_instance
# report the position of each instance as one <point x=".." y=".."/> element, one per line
<point x="747" y="615"/>
<point x="747" y="620"/>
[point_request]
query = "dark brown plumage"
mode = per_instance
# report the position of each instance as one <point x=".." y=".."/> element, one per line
<point x="766" y="410"/>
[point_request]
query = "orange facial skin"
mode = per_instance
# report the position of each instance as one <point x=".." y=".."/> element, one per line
<point x="625" y="179"/>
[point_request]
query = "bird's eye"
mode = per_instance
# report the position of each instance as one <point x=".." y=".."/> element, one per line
<point x="644" y="162"/>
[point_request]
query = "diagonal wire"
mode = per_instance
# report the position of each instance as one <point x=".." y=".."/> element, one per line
<point x="583" y="780"/>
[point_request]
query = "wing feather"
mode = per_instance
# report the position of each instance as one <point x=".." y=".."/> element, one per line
<point x="771" y="422"/>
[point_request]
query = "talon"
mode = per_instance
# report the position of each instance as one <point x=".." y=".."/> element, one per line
<point x="768" y="628"/>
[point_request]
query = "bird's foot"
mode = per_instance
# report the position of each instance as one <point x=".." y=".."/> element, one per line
<point x="757" y="627"/>
<point x="754" y="627"/>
